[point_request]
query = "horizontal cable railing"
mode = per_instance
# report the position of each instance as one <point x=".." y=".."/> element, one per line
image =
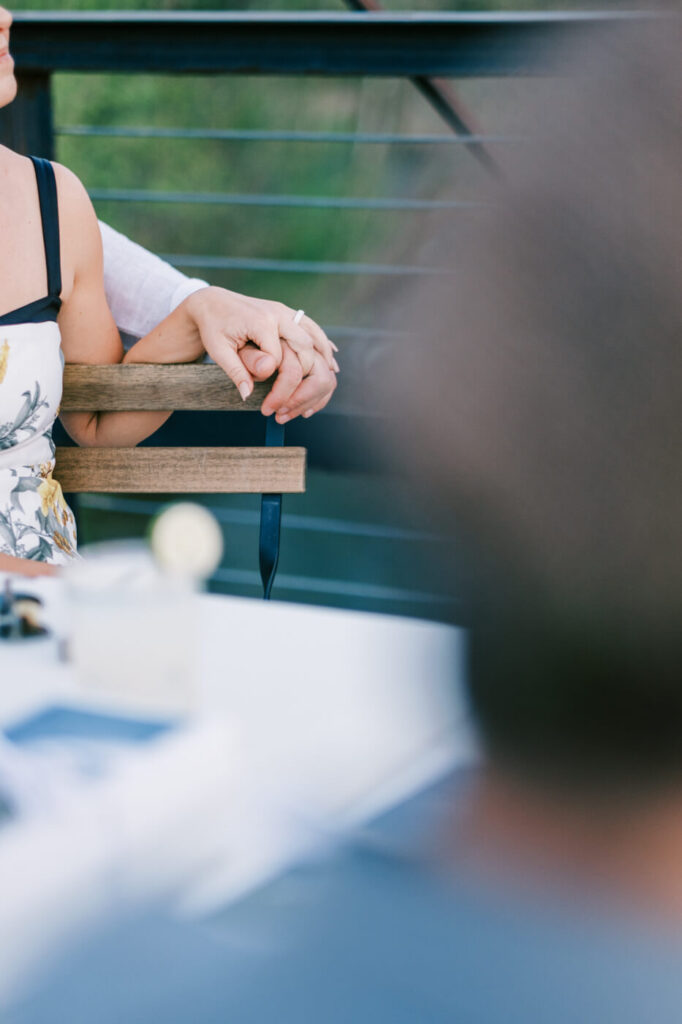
<point x="132" y="195"/>
<point x="257" y="135"/>
<point x="367" y="592"/>
<point x="204" y="262"/>
<point x="247" y="517"/>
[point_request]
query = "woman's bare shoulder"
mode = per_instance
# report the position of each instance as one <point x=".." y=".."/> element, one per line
<point x="74" y="200"/>
<point x="80" y="238"/>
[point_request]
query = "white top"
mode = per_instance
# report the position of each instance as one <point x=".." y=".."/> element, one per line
<point x="141" y="288"/>
<point x="35" y="521"/>
<point x="31" y="370"/>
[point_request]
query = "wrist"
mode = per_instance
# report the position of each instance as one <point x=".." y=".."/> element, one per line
<point x="204" y="301"/>
<point x="193" y="305"/>
<point x="177" y="339"/>
<point x="190" y="329"/>
<point x="188" y="286"/>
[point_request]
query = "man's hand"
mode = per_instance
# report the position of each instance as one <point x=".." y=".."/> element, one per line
<point x="227" y="322"/>
<point x="292" y="394"/>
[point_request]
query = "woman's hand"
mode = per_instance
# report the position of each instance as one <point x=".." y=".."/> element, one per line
<point x="228" y="322"/>
<point x="293" y="393"/>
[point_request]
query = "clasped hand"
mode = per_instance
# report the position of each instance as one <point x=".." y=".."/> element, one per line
<point x="251" y="339"/>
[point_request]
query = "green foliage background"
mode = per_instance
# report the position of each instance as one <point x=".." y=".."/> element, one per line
<point x="354" y="564"/>
<point x="311" y="169"/>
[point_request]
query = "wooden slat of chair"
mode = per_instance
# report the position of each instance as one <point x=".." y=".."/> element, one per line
<point x="181" y="470"/>
<point x="144" y="387"/>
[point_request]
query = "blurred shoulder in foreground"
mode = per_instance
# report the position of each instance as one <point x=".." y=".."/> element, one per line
<point x="372" y="935"/>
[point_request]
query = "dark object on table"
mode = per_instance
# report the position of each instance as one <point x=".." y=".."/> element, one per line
<point x="20" y="615"/>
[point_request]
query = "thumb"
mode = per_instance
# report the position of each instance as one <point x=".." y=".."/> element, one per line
<point x="260" y="364"/>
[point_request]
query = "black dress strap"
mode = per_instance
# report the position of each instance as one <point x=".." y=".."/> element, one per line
<point x="49" y="212"/>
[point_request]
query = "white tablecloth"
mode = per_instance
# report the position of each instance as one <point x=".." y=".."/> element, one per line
<point x="331" y="716"/>
<point x="339" y="702"/>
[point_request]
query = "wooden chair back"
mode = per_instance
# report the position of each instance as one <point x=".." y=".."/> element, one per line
<point x="144" y="388"/>
<point x="269" y="470"/>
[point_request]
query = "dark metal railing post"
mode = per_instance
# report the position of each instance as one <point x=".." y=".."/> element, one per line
<point x="441" y="95"/>
<point x="270" y="517"/>
<point x="26" y="124"/>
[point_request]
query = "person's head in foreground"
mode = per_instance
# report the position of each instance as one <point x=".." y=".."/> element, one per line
<point x="552" y="375"/>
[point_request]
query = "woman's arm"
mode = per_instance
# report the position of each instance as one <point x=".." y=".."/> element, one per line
<point x="25" y="566"/>
<point x="89" y="334"/>
<point x="141" y="288"/>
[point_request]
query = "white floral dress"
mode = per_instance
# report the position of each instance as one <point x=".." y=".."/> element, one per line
<point x="35" y="521"/>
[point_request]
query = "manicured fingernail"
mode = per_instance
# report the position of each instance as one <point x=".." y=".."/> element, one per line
<point x="244" y="390"/>
<point x="335" y="347"/>
<point x="308" y="414"/>
<point x="336" y="365"/>
<point x="282" y="419"/>
<point x="284" y="411"/>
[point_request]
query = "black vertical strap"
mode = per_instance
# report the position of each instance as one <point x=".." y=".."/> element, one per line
<point x="49" y="212"/>
<point x="270" y="516"/>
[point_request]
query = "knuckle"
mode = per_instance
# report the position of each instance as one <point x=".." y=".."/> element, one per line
<point x="303" y="340"/>
<point x="265" y="323"/>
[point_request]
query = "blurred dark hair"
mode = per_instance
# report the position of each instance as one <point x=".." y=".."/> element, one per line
<point x="543" y="421"/>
